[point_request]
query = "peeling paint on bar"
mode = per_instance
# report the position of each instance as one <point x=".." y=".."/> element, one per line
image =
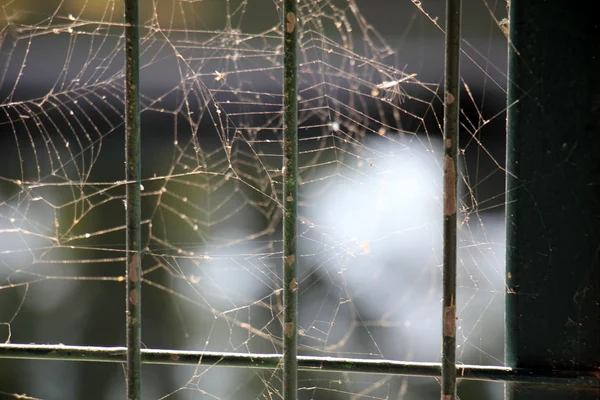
<point x="133" y="201"/>
<point x="451" y="127"/>
<point x="290" y="196"/>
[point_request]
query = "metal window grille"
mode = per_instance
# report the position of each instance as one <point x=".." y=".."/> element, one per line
<point x="562" y="364"/>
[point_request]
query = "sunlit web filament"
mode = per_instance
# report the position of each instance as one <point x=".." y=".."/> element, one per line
<point x="392" y="88"/>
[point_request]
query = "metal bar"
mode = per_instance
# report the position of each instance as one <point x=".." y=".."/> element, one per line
<point x="451" y="126"/>
<point x="553" y="176"/>
<point x="290" y="194"/>
<point x="133" y="200"/>
<point x="582" y="379"/>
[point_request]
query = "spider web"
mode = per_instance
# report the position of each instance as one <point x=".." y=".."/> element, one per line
<point x="370" y="192"/>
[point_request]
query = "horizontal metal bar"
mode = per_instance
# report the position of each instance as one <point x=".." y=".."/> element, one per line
<point x="575" y="379"/>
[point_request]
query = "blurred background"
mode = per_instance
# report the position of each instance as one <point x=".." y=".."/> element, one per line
<point x="370" y="196"/>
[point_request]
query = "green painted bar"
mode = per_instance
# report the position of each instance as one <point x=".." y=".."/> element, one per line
<point x="553" y="194"/>
<point x="554" y="378"/>
<point x="133" y="201"/>
<point x="451" y="128"/>
<point x="290" y="199"/>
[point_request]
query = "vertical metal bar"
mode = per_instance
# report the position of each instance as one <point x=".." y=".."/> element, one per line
<point x="133" y="200"/>
<point x="290" y="191"/>
<point x="451" y="126"/>
<point x="553" y="195"/>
